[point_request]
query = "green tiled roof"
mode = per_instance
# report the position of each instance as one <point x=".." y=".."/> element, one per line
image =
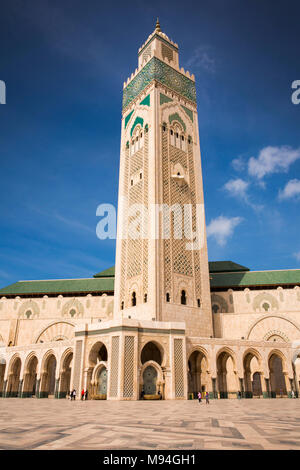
<point x="255" y="278"/>
<point x="61" y="286"/>
<point x="223" y="274"/>
<point x="110" y="272"/>
<point x="225" y="266"/>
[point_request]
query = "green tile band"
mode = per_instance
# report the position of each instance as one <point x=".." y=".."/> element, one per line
<point x="155" y="69"/>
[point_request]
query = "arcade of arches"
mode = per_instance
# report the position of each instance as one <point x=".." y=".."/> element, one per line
<point x="51" y="375"/>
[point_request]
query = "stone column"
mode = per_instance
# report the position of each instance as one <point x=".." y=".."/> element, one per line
<point x="20" y="388"/>
<point x="37" y="388"/>
<point x="266" y="387"/>
<point x="4" y="388"/>
<point x="56" y="389"/>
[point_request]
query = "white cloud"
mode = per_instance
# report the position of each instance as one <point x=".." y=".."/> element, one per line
<point x="272" y="160"/>
<point x="237" y="187"/>
<point x="291" y="189"/>
<point x="202" y="59"/>
<point x="222" y="228"/>
<point x="238" y="164"/>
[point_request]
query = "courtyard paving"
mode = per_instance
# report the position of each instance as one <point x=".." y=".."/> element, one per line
<point x="46" y="424"/>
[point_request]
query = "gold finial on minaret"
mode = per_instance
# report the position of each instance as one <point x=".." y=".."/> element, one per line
<point x="157" y="27"/>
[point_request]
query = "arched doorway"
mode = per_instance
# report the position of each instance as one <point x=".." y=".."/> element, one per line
<point x="197" y="373"/>
<point x="227" y="380"/>
<point x="14" y="378"/>
<point x="149" y="380"/>
<point x="277" y="379"/>
<point x="2" y="374"/>
<point x="48" y="377"/>
<point x="152" y="381"/>
<point x="29" y="388"/>
<point x="252" y="375"/>
<point x="101" y="382"/>
<point x="97" y="373"/>
<point x="65" y="376"/>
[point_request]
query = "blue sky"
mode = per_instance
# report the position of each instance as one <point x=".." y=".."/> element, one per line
<point x="64" y="64"/>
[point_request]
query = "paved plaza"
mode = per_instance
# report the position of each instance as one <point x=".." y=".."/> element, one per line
<point x="223" y="424"/>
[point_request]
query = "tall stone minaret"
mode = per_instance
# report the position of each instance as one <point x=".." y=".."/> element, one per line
<point x="158" y="276"/>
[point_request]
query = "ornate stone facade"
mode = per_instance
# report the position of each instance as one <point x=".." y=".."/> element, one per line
<point x="166" y="324"/>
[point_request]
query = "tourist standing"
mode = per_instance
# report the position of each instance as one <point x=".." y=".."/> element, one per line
<point x="207" y="398"/>
<point x="199" y="397"/>
<point x="82" y="394"/>
<point x="74" y="394"/>
<point x="293" y="394"/>
<point x="86" y="395"/>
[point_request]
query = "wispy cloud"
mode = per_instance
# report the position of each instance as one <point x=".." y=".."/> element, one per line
<point x="222" y="228"/>
<point x="272" y="160"/>
<point x="238" y="188"/>
<point x="239" y="164"/>
<point x="202" y="59"/>
<point x="291" y="190"/>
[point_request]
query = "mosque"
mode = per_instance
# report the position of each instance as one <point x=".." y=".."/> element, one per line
<point x="164" y="322"/>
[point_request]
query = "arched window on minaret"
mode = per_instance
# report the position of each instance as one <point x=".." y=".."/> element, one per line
<point x="167" y="297"/>
<point x="183" y="297"/>
<point x="122" y="305"/>
<point x="145" y="298"/>
<point x="133" y="299"/>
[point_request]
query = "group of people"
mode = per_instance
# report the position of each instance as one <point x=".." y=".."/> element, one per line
<point x="205" y="395"/>
<point x="84" y="394"/>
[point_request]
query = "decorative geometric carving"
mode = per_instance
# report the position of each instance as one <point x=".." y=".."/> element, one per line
<point x="178" y="368"/>
<point x="56" y="331"/>
<point x="265" y="297"/>
<point x="77" y="366"/>
<point x="128" y="386"/>
<point x="155" y="69"/>
<point x="73" y="306"/>
<point x="29" y="306"/>
<point x="114" y="368"/>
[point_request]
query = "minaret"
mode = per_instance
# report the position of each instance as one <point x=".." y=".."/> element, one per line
<point x="158" y="276"/>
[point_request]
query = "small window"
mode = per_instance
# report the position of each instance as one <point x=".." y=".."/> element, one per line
<point x="189" y="140"/>
<point x="171" y="132"/>
<point x="182" y="137"/>
<point x="28" y="313"/>
<point x="167" y="297"/>
<point x="145" y="298"/>
<point x="131" y="182"/>
<point x="164" y="128"/>
<point x="141" y="135"/>
<point x="133" y="299"/>
<point x="176" y="135"/>
<point x="122" y="305"/>
<point x="141" y="176"/>
<point x="183" y="297"/>
<point x="199" y="302"/>
<point x="266" y="306"/>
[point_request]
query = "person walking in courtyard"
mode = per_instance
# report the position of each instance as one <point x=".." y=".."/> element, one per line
<point x="199" y="397"/>
<point x="239" y="395"/>
<point x="86" y="395"/>
<point x="293" y="394"/>
<point x="74" y="394"/>
<point x="207" y="398"/>
<point x="82" y="394"/>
